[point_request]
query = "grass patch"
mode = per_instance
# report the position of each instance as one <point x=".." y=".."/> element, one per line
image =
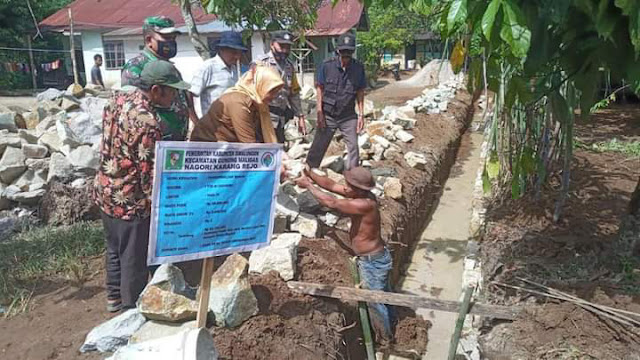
<point x="42" y="252"/>
<point x="628" y="148"/>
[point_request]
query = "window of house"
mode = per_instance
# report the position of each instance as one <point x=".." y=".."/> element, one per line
<point x="114" y="54"/>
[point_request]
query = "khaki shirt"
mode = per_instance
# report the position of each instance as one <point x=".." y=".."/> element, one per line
<point x="232" y="118"/>
<point x="289" y="96"/>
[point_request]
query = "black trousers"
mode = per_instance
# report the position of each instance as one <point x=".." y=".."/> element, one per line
<point x="126" y="259"/>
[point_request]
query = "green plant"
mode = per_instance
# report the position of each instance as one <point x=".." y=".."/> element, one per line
<point x="45" y="251"/>
<point x="628" y="148"/>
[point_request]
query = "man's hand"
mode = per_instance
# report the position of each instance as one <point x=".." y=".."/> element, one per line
<point x="303" y="181"/>
<point x="360" y="126"/>
<point x="321" y="120"/>
<point x="302" y="125"/>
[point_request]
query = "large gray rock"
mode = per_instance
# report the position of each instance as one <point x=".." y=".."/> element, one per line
<point x="152" y="330"/>
<point x="59" y="168"/>
<point x="393" y="188"/>
<point x="31" y="119"/>
<point x="30" y="136"/>
<point x="416" y="160"/>
<point x="8" y="225"/>
<point x="85" y="129"/>
<point x="167" y="297"/>
<point x="285" y="204"/>
<point x="50" y="121"/>
<point x="306" y="225"/>
<point x="231" y="299"/>
<point x="94" y="106"/>
<point x="38" y="164"/>
<point x="404" y="136"/>
<point x="49" y="94"/>
<point x="376" y="139"/>
<point x="308" y="203"/>
<point x="298" y="150"/>
<point x="335" y="163"/>
<point x="115" y="333"/>
<point x="69" y="103"/>
<point x="51" y="140"/>
<point x="385" y="172"/>
<point x="8" y="121"/>
<point x="69" y="140"/>
<point x="28" y="198"/>
<point x="34" y="151"/>
<point x="85" y="159"/>
<point x="5" y="203"/>
<point x="11" y="165"/>
<point x="279" y="256"/>
<point x="29" y="178"/>
<point x="9" y="139"/>
<point x="156" y="303"/>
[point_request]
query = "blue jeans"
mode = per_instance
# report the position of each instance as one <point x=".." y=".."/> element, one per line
<point x="374" y="275"/>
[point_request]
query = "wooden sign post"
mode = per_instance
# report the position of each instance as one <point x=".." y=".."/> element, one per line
<point x="205" y="286"/>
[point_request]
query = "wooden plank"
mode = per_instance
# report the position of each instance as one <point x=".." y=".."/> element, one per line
<point x="411" y="301"/>
<point x="205" y="286"/>
<point x="462" y="314"/>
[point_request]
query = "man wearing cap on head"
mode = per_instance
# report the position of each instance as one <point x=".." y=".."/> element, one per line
<point x="123" y="184"/>
<point x="373" y="257"/>
<point x="218" y="73"/>
<point x="288" y="104"/>
<point x="159" y="34"/>
<point x="340" y="82"/>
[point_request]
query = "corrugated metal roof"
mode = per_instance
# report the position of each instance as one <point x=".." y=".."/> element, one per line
<point x="338" y="19"/>
<point x="115" y="14"/>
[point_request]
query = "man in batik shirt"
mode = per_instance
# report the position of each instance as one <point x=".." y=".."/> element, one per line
<point x="131" y="126"/>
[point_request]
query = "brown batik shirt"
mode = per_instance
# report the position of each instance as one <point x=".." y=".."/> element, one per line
<point x="124" y="180"/>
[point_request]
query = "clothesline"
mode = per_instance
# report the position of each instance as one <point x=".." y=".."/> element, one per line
<point x="37" y="50"/>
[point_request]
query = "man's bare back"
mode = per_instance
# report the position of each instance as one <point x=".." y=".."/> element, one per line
<point x="358" y="204"/>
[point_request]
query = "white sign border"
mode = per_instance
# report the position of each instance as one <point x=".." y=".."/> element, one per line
<point x="152" y="259"/>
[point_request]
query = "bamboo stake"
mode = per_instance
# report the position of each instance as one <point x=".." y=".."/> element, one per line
<point x="608" y="309"/>
<point x="32" y="64"/>
<point x="73" y="49"/>
<point x="364" y="315"/>
<point x="464" y="309"/>
<point x="584" y="304"/>
<point x="205" y="286"/>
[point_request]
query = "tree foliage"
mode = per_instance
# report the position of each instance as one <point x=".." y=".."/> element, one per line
<point x="389" y="29"/>
<point x="16" y="23"/>
<point x="544" y="61"/>
<point x="265" y="14"/>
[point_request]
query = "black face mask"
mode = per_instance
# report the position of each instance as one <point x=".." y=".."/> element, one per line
<point x="280" y="56"/>
<point x="167" y="49"/>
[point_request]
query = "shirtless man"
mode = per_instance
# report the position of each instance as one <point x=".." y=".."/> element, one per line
<point x="373" y="258"/>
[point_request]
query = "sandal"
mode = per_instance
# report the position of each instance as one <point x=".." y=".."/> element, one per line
<point x="114" y="305"/>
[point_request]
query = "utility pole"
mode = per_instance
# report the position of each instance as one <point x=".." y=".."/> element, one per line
<point x="73" y="50"/>
<point x="32" y="64"/>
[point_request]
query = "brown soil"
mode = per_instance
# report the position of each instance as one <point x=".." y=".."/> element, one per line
<point x="579" y="254"/>
<point x="65" y="205"/>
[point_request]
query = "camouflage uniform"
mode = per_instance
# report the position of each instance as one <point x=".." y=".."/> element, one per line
<point x="177" y="116"/>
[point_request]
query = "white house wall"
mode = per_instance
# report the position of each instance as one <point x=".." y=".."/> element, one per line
<point x="187" y="60"/>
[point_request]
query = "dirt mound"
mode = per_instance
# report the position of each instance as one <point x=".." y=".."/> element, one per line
<point x="434" y="73"/>
<point x="288" y="326"/>
<point x="578" y="255"/>
<point x="65" y="205"/>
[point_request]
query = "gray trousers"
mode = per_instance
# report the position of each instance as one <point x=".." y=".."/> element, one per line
<point x="126" y="258"/>
<point x="348" y="129"/>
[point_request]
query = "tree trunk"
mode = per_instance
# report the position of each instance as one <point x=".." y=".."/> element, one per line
<point x="200" y="46"/>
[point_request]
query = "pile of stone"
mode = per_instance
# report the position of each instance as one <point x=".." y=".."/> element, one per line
<point x="55" y="140"/>
<point x="435" y="100"/>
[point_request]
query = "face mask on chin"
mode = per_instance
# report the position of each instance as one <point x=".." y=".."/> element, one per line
<point x="167" y="49"/>
<point x="280" y="56"/>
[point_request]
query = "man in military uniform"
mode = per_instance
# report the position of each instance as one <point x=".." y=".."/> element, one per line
<point x="340" y="83"/>
<point x="287" y="104"/>
<point x="160" y="44"/>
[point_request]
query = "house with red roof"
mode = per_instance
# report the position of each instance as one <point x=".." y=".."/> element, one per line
<point x="113" y="28"/>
